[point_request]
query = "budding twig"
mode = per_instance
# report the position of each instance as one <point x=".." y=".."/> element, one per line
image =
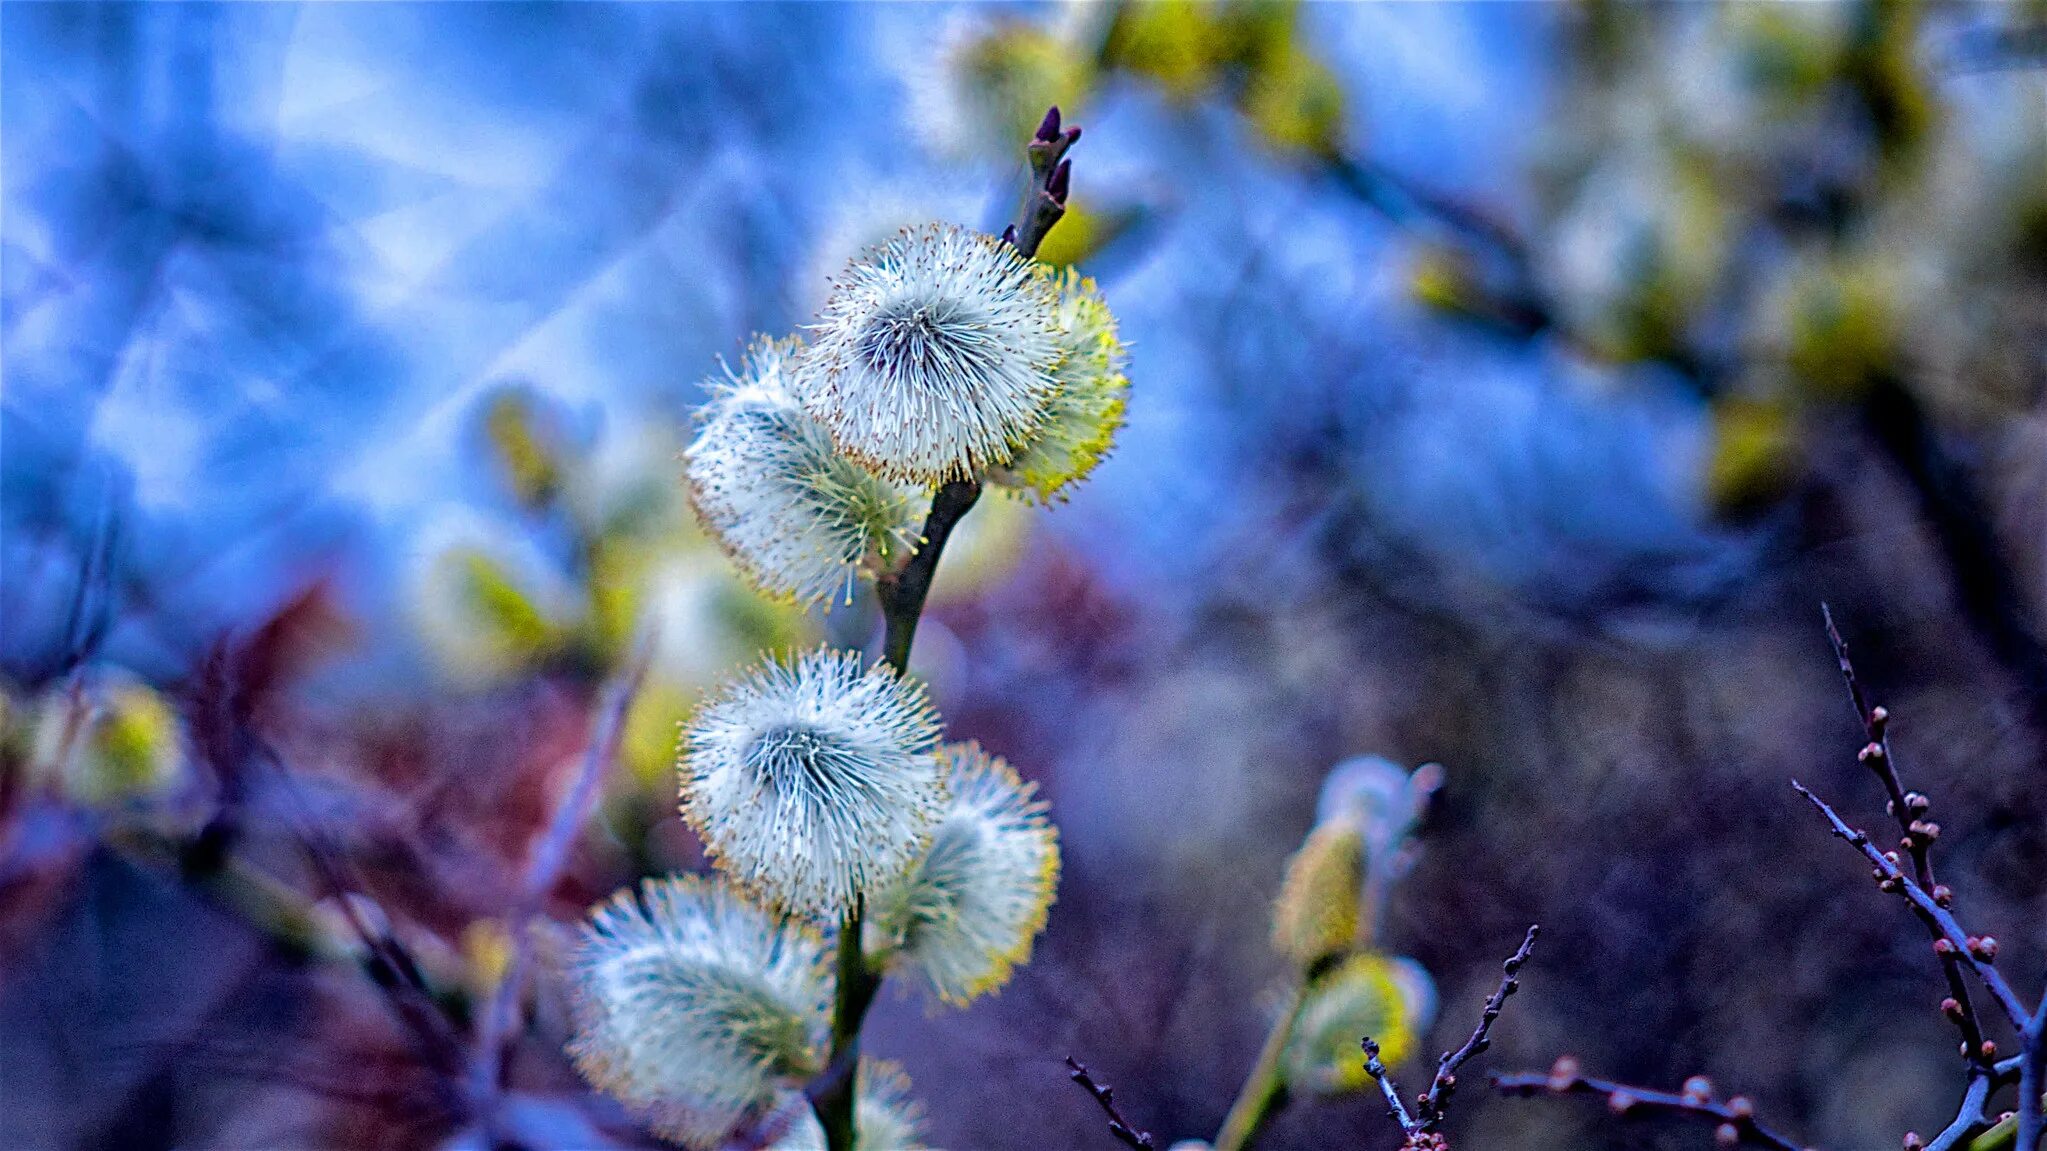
<point x="1105" y="1096"/>
<point x="1910" y="810"/>
<point x="1736" y="1117"/>
<point x="1977" y="952"/>
<point x="1430" y="1107"/>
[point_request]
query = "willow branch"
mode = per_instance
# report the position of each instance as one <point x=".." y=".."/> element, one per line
<point x="1264" y="1090"/>
<point x="902" y="594"/>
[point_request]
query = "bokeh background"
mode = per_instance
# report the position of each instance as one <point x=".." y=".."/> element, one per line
<point x="1512" y="383"/>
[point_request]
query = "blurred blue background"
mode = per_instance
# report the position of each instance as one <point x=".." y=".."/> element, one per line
<point x="1510" y="384"/>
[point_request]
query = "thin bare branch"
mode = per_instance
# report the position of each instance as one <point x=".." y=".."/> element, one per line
<point x="1911" y="810"/>
<point x="1421" y="1124"/>
<point x="1436" y="1099"/>
<point x="1735" y="1118"/>
<point x="1105" y="1097"/>
<point x="1978" y="952"/>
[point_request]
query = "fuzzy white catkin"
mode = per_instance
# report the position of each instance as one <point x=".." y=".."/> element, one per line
<point x="693" y="1007"/>
<point x="967" y="914"/>
<point x="934" y="357"/>
<point x="812" y="780"/>
<point x="797" y="516"/>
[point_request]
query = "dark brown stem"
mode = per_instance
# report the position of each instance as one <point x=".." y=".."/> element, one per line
<point x="904" y="592"/>
<point x="834" y="1094"/>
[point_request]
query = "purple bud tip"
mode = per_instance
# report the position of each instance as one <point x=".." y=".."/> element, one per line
<point x="1048" y="128"/>
<point x="1062" y="179"/>
<point x="1072" y="134"/>
<point x="1009" y="235"/>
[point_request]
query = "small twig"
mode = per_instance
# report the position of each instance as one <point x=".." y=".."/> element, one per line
<point x="1972" y="1116"/>
<point x="1430" y="1107"/>
<point x="1910" y="809"/>
<point x="1051" y="181"/>
<point x="1977" y="952"/>
<point x="1376" y="1068"/>
<point x="1105" y="1096"/>
<point x="1736" y="1117"/>
<point x="1968" y="1118"/>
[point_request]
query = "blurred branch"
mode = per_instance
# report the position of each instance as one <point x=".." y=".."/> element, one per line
<point x="543" y="870"/>
<point x="1736" y="1117"/>
<point x="1987" y="589"/>
<point x="1432" y="1104"/>
<point x="1515" y="303"/>
<point x="1264" y="1090"/>
<point x="1105" y="1095"/>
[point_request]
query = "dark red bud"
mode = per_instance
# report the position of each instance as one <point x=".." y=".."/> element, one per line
<point x="1061" y="181"/>
<point x="1048" y="128"/>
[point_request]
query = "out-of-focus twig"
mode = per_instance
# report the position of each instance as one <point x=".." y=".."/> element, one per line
<point x="1265" y="1089"/>
<point x="1105" y="1096"/>
<point x="1736" y="1117"/>
<point x="543" y="870"/>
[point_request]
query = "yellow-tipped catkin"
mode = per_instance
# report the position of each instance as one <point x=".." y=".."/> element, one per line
<point x="1316" y="916"/>
<point x="1391" y="999"/>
